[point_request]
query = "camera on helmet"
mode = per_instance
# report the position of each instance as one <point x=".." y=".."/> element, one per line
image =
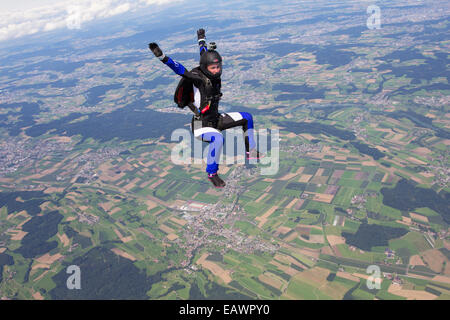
<point x="212" y="46"/>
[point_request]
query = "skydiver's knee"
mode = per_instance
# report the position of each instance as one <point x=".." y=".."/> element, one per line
<point x="247" y="116"/>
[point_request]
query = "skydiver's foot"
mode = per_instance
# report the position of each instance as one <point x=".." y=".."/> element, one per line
<point x="215" y="179"/>
<point x="254" y="154"/>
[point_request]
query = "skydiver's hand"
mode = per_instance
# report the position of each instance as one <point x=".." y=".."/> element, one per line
<point x="201" y="35"/>
<point x="156" y="50"/>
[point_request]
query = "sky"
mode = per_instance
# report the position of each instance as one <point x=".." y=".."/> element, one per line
<point x="8" y="5"/>
<point x="25" y="17"/>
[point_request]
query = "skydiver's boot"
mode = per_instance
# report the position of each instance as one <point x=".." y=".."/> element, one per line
<point x="216" y="181"/>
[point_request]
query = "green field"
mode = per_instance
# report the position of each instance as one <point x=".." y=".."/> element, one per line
<point x="302" y="291"/>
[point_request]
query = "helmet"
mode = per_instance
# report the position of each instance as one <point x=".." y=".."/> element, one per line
<point x="208" y="58"/>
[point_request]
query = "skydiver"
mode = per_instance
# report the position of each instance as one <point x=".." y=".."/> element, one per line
<point x="207" y="123"/>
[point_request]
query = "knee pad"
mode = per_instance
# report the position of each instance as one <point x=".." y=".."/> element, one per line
<point x="247" y="116"/>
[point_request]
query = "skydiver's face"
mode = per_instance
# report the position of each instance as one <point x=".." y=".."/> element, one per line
<point x="214" y="68"/>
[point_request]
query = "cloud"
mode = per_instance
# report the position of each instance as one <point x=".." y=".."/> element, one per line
<point x="64" y="14"/>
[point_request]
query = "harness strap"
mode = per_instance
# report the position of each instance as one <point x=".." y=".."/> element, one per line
<point x="209" y="88"/>
<point x="206" y="108"/>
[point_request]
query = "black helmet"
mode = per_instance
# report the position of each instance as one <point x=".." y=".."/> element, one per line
<point x="208" y="58"/>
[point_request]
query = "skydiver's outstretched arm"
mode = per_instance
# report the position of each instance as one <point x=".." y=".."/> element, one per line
<point x="176" y="67"/>
<point x="202" y="40"/>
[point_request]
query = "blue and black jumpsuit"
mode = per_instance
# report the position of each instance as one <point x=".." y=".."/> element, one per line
<point x="211" y="122"/>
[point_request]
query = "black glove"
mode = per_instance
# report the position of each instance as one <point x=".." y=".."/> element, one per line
<point x="156" y="50"/>
<point x="201" y="34"/>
